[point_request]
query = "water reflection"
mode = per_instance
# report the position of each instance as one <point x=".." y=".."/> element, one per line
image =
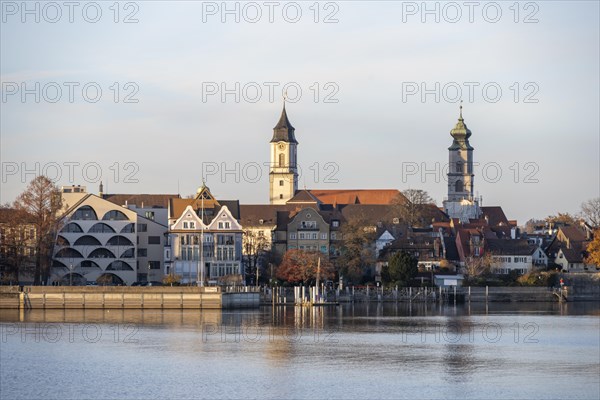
<point x="362" y="350"/>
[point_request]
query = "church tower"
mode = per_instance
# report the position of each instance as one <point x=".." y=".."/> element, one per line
<point x="283" y="171"/>
<point x="461" y="202"/>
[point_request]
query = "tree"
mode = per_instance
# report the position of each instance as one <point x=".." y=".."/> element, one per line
<point x="356" y="251"/>
<point x="256" y="249"/>
<point x="560" y="219"/>
<point x="479" y="267"/>
<point x="593" y="250"/>
<point x="412" y="207"/>
<point x="42" y="200"/>
<point x="402" y="267"/>
<point x="17" y="235"/>
<point x="590" y="212"/>
<point x="533" y="224"/>
<point x="299" y="266"/>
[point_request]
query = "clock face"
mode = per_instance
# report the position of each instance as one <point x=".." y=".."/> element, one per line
<point x="281" y="146"/>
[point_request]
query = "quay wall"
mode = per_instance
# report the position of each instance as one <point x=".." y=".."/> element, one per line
<point x="123" y="297"/>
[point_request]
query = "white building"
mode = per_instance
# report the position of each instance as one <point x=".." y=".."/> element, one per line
<point x="461" y="202"/>
<point x="204" y="222"/>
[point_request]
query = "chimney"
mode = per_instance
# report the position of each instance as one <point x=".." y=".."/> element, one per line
<point x="101" y="189"/>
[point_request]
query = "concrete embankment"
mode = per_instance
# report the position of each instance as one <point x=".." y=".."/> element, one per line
<point x="124" y="297"/>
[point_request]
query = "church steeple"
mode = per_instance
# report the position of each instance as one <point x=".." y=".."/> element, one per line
<point x="284" y="131"/>
<point x="461" y="202"/>
<point x="283" y="172"/>
<point x="461" y="134"/>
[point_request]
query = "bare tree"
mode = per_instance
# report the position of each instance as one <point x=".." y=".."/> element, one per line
<point x="590" y="212"/>
<point x="256" y="248"/>
<point x="16" y="244"/>
<point x="412" y="207"/>
<point x="479" y="266"/>
<point x="357" y="249"/>
<point x="42" y="200"/>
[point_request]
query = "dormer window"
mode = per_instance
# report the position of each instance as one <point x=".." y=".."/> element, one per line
<point x="192" y="225"/>
<point x="185" y="225"/>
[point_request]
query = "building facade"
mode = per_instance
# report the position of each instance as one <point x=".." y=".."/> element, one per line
<point x="208" y="224"/>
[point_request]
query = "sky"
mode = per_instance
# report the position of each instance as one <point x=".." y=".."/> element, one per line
<point x="152" y="96"/>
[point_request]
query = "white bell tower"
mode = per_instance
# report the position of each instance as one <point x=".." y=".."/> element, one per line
<point x="283" y="170"/>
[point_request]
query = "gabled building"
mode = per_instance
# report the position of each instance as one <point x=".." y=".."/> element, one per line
<point x="212" y="225"/>
<point x="510" y="255"/>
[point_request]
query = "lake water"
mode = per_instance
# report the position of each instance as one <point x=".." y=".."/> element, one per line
<point x="500" y="351"/>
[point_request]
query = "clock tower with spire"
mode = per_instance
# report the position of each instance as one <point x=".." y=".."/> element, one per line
<point x="283" y="171"/>
<point x="461" y="202"/>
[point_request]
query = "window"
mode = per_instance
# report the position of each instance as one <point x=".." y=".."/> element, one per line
<point x="220" y="225"/>
<point x="85" y="213"/>
<point x="227" y="225"/>
<point x="458" y="186"/>
<point x="301" y="235"/>
<point x="72" y="228"/>
<point x="101" y="227"/>
<point x="192" y="225"/>
<point x="323" y="236"/>
<point x="114" y="215"/>
<point x="281" y="160"/>
<point x="324" y="249"/>
<point x="280" y="183"/>
<point x="119" y="241"/>
<point x="129" y="228"/>
<point x="142" y="252"/>
<point x="185" y="225"/>
<point x="87" y="241"/>
<point x="154" y="264"/>
<point x="280" y="196"/>
<point x="150" y="215"/>
<point x="153" y="239"/>
<point x="396" y="221"/>
<point x="333" y="235"/>
<point x="314" y="236"/>
<point x="335" y="223"/>
<point x="293" y="236"/>
<point x="142" y="227"/>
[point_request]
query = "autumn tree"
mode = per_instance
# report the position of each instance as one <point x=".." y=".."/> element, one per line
<point x="590" y="212"/>
<point x="560" y="219"/>
<point x="299" y="266"/>
<point x="256" y="249"/>
<point x="401" y="268"/>
<point x="42" y="201"/>
<point x="412" y="206"/>
<point x="357" y="250"/>
<point x="533" y="224"/>
<point x="593" y="250"/>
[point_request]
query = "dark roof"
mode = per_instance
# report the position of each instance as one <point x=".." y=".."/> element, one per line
<point x="252" y="214"/>
<point x="451" y="250"/>
<point x="284" y="131"/>
<point x="573" y="233"/>
<point x="371" y="214"/>
<point x="572" y="255"/>
<point x="148" y="200"/>
<point x="513" y="247"/>
<point x="8" y="213"/>
<point x="495" y="216"/>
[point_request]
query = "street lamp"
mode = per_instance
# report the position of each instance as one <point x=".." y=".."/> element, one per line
<point x="148" y="276"/>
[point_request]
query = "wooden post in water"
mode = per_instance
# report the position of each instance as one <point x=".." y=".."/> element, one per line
<point x="454" y="294"/>
<point x="486" y="293"/>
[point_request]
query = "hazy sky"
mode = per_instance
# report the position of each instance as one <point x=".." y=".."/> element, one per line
<point x="361" y="119"/>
